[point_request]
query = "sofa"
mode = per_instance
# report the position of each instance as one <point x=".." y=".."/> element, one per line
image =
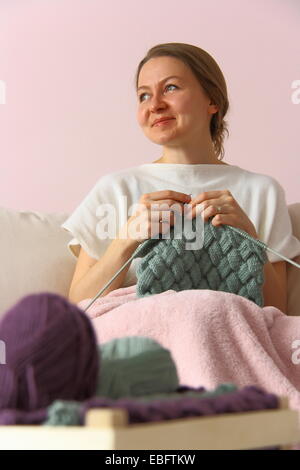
<point x="35" y="256"/>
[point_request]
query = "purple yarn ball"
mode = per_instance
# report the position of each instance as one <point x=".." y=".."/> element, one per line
<point x="51" y="353"/>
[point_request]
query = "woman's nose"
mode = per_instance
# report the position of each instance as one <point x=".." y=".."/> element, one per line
<point x="155" y="107"/>
<point x="156" y="103"/>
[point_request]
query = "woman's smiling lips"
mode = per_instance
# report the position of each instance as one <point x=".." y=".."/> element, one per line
<point x="165" y="121"/>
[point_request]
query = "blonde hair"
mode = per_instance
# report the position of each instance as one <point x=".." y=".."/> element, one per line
<point x="210" y="77"/>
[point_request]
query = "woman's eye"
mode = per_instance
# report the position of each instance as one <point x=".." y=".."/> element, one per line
<point x="143" y="94"/>
<point x="171" y="85"/>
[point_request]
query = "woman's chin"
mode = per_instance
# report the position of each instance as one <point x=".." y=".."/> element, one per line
<point x="163" y="139"/>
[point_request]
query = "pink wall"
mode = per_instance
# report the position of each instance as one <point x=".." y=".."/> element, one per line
<point x="70" y="110"/>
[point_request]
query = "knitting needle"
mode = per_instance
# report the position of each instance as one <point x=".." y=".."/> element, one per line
<point x="260" y="243"/>
<point x="110" y="281"/>
<point x="243" y="233"/>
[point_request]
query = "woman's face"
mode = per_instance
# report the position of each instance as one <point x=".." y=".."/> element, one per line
<point x="181" y="98"/>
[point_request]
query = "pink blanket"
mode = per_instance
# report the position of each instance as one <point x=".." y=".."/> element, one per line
<point x="214" y="337"/>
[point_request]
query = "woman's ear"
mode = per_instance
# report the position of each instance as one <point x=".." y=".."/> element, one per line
<point x="214" y="108"/>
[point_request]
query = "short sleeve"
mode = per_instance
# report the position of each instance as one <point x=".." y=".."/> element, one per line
<point x="96" y="221"/>
<point x="276" y="227"/>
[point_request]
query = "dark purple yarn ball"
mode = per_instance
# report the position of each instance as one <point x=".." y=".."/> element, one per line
<point x="51" y="353"/>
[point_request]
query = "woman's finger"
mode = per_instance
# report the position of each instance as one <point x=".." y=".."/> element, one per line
<point x="168" y="194"/>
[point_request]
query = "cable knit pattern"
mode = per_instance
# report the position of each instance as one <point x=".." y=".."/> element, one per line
<point x="227" y="261"/>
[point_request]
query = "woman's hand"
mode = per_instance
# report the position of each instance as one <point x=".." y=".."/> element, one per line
<point x="154" y="215"/>
<point x="224" y="208"/>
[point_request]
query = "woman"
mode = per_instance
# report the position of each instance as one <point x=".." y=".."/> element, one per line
<point x="181" y="86"/>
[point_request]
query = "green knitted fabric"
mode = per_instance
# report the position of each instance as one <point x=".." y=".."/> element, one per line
<point x="63" y="413"/>
<point x="228" y="261"/>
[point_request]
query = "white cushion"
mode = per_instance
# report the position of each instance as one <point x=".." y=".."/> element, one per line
<point x="34" y="255"/>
